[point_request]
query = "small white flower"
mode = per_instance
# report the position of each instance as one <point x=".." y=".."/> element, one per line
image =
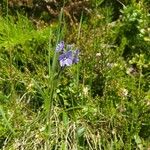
<point x="123" y="92"/>
<point x="85" y="91"/>
<point x="98" y="54"/>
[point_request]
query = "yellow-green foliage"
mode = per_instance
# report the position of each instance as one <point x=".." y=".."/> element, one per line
<point x="102" y="102"/>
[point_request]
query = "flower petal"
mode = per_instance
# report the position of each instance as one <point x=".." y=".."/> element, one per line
<point x="60" y="46"/>
<point x="62" y="63"/>
<point x="68" y="62"/>
<point x="62" y="56"/>
<point x="69" y="54"/>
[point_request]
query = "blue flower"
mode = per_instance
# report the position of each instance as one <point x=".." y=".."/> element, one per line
<point x="60" y="47"/>
<point x="75" y="57"/>
<point x="66" y="59"/>
<point x="67" y="56"/>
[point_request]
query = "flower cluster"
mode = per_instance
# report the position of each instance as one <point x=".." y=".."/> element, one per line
<point x="67" y="57"/>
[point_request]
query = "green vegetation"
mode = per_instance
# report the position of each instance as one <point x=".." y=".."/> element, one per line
<point x="100" y="103"/>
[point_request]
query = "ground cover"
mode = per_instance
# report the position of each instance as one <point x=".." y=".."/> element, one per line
<point x="75" y="81"/>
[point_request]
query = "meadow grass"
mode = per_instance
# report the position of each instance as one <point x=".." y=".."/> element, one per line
<point x="100" y="103"/>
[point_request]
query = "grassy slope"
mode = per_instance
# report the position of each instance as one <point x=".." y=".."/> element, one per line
<point x="100" y="103"/>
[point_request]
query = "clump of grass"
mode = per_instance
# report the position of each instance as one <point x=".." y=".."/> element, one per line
<point x="102" y="102"/>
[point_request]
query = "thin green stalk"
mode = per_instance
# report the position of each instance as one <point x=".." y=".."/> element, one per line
<point x="52" y="83"/>
<point x="48" y="100"/>
<point x="6" y="120"/>
<point x="139" y="84"/>
<point x="78" y="38"/>
<point x="10" y="53"/>
<point x="58" y="39"/>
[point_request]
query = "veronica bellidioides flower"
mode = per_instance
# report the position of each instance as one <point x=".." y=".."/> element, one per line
<point x="60" y="47"/>
<point x="67" y="58"/>
<point x="75" y="57"/>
